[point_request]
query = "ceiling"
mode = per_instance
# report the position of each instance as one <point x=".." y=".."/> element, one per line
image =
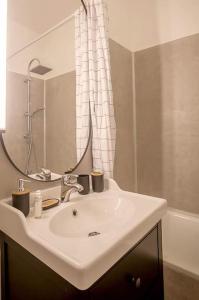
<point x="40" y="15"/>
<point x="135" y="24"/>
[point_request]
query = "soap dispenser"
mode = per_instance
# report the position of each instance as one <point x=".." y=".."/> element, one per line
<point x="21" y="198"/>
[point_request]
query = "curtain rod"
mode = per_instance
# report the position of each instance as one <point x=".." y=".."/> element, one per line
<point x="46" y="32"/>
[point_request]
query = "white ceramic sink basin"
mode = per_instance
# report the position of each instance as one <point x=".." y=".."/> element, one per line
<point x="94" y="215"/>
<point x="84" y="238"/>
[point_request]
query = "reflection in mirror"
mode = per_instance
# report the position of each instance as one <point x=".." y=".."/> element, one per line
<point x="41" y="106"/>
<point x="57" y="51"/>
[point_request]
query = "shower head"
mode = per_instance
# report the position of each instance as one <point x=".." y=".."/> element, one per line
<point x="41" y="70"/>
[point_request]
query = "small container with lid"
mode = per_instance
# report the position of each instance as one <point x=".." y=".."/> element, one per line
<point x="38" y="204"/>
<point x="97" y="178"/>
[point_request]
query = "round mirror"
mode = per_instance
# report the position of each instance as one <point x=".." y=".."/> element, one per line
<point x="40" y="138"/>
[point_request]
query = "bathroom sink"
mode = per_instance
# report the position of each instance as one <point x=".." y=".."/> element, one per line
<point x="82" y="239"/>
<point x="94" y="215"/>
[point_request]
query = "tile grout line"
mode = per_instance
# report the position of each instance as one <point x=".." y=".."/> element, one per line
<point x="134" y="123"/>
<point x="44" y="154"/>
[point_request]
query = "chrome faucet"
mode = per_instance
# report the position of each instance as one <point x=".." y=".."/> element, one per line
<point x="46" y="174"/>
<point x="69" y="185"/>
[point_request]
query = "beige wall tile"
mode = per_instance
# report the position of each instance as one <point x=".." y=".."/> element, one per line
<point x="61" y="123"/>
<point x="121" y="71"/>
<point x="61" y="126"/>
<point x="17" y="123"/>
<point x="167" y="93"/>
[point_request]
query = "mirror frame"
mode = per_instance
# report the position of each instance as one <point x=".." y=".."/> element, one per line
<point x="72" y="170"/>
<point x="3" y="60"/>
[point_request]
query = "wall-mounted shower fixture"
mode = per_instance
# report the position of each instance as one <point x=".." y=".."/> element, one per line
<point x="41" y="70"/>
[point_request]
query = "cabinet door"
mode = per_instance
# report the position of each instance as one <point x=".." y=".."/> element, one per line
<point x="28" y="278"/>
<point x="133" y="275"/>
<point x="156" y="291"/>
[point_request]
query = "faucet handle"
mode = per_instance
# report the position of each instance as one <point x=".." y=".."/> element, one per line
<point x="70" y="178"/>
<point x="45" y="171"/>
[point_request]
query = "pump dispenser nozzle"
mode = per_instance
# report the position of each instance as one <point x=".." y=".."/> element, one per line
<point x="21" y="184"/>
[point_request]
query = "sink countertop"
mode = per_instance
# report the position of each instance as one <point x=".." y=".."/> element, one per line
<point x="61" y="240"/>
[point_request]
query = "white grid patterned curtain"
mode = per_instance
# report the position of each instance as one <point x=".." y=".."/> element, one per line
<point x="94" y="85"/>
<point x="82" y="82"/>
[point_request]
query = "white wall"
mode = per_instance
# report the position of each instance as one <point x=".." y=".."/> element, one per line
<point x="57" y="51"/>
<point x="135" y="24"/>
<point x="18" y="36"/>
<point x="139" y="24"/>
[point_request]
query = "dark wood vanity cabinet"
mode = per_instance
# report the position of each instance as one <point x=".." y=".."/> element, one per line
<point x="134" y="275"/>
<point x="137" y="276"/>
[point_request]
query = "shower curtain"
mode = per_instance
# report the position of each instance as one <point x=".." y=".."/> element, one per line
<point x="93" y="86"/>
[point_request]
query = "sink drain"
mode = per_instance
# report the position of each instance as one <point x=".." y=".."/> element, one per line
<point x="75" y="212"/>
<point x="94" y="233"/>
